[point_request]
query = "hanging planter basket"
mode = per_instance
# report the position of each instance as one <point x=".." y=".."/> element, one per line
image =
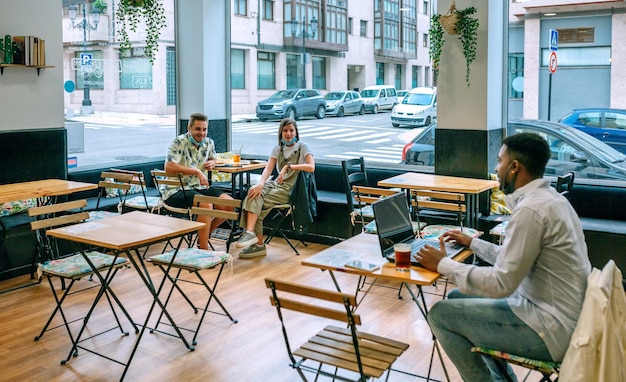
<point x="449" y="20"/>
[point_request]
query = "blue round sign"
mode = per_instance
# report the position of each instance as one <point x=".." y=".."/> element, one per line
<point x="69" y="86"/>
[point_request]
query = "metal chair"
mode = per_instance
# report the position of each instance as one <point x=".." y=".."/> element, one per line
<point x="360" y="355"/>
<point x="231" y="218"/>
<point x="354" y="173"/>
<point x="72" y="267"/>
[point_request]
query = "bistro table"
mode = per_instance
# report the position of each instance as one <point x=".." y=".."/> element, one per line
<point x="126" y="234"/>
<point x="365" y="247"/>
<point x="43" y="190"/>
<point x="238" y="171"/>
<point x="471" y="187"/>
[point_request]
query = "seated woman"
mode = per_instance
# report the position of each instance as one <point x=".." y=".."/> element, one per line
<point x="289" y="157"/>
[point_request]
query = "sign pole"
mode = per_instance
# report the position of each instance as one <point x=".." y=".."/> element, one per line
<point x="549" y="94"/>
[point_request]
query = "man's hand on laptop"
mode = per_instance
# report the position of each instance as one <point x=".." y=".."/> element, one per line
<point x="429" y="256"/>
<point x="458" y="237"/>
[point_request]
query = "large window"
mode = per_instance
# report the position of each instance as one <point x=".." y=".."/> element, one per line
<point x="319" y="73"/>
<point x="363" y="28"/>
<point x="136" y="70"/>
<point x="398" y="82"/>
<point x="380" y="73"/>
<point x="91" y="75"/>
<point x="415" y="72"/>
<point x="516" y="75"/>
<point x="294" y="71"/>
<point x="336" y="22"/>
<point x="266" y="68"/>
<point x="240" y="7"/>
<point x="268" y="9"/>
<point x="238" y="69"/>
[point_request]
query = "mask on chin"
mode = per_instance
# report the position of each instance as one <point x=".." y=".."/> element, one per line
<point x="192" y="140"/>
<point x="508" y="187"/>
<point x="289" y="143"/>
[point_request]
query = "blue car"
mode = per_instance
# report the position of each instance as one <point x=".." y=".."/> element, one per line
<point x="607" y="125"/>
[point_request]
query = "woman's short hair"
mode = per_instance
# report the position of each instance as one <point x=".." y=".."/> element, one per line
<point x="287" y="122"/>
<point x="529" y="149"/>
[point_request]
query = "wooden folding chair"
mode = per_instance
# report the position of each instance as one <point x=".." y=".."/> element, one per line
<point x="163" y="178"/>
<point x="278" y="214"/>
<point x="365" y="196"/>
<point x="435" y="206"/>
<point x="360" y="355"/>
<point x="546" y="368"/>
<point x="354" y="173"/>
<point x="72" y="267"/>
<point x="138" y="186"/>
<point x="231" y="218"/>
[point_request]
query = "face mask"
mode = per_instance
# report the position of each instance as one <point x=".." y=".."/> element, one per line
<point x="192" y="140"/>
<point x="289" y="143"/>
<point x="508" y="188"/>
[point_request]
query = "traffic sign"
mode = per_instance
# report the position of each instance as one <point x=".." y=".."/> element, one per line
<point x="86" y="59"/>
<point x="552" y="63"/>
<point x="554" y="40"/>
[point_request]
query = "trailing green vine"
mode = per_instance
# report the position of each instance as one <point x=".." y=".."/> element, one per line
<point x="128" y="15"/>
<point x="466" y="29"/>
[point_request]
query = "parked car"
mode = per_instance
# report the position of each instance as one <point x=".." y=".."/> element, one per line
<point x="607" y="125"/>
<point x="340" y="103"/>
<point x="572" y="150"/>
<point x="418" y="108"/>
<point x="401" y="94"/>
<point x="379" y="97"/>
<point x="292" y="103"/>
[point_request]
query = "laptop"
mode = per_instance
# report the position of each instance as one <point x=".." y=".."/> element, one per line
<point x="393" y="225"/>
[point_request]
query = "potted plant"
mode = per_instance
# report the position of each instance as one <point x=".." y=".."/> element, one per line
<point x="455" y="22"/>
<point x="99" y="6"/>
<point x="128" y="15"/>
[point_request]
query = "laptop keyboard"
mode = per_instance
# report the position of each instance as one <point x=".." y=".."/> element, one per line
<point x="416" y="245"/>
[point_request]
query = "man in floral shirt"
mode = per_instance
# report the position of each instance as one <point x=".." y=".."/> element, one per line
<point x="193" y="155"/>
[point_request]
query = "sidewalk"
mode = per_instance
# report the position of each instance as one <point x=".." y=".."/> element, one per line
<point x="117" y="118"/>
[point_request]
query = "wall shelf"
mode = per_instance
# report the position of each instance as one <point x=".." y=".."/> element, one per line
<point x="38" y="67"/>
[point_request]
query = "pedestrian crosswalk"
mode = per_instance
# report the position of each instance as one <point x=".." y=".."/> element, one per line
<point x="371" y="143"/>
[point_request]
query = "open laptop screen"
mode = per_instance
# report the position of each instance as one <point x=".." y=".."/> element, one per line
<point x="393" y="221"/>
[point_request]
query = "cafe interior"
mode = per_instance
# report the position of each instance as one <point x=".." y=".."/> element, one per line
<point x="94" y="335"/>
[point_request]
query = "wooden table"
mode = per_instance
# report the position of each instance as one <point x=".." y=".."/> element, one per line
<point x="471" y="187"/>
<point x="42" y="190"/>
<point x="126" y="234"/>
<point x="365" y="247"/>
<point x="238" y="172"/>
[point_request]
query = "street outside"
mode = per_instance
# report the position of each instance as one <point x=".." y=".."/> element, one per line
<point x="119" y="137"/>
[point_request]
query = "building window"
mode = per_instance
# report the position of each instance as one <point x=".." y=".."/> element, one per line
<point x="294" y="70"/>
<point x="136" y="70"/>
<point x="350" y="20"/>
<point x="415" y="72"/>
<point x="336" y="25"/>
<point x="425" y="8"/>
<point x="516" y="75"/>
<point x="380" y="73"/>
<point x="425" y="40"/>
<point x="302" y="10"/>
<point x="398" y="76"/>
<point x="268" y="9"/>
<point x="363" y="28"/>
<point x="170" y="75"/>
<point x="92" y="75"/>
<point x="266" y="68"/>
<point x="237" y="69"/>
<point x="409" y="42"/>
<point x="319" y="73"/>
<point x="240" y="7"/>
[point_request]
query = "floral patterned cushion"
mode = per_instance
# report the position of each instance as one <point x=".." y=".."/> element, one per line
<point x="76" y="266"/>
<point x="542" y="366"/>
<point x="433" y="232"/>
<point x="115" y="192"/>
<point x="138" y="202"/>
<point x="218" y="176"/>
<point x="193" y="258"/>
<point x="371" y="226"/>
<point x="16" y="207"/>
<point x="97" y="215"/>
<point x="498" y="206"/>
<point x="499" y="229"/>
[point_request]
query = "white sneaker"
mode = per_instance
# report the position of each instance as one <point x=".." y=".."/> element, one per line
<point x="246" y="240"/>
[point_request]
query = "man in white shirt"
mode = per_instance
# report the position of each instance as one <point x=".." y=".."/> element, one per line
<point x="527" y="302"/>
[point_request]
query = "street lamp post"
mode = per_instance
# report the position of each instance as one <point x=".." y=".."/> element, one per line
<point x="304" y="34"/>
<point x="85" y="25"/>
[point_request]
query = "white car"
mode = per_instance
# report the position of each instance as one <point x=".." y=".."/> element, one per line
<point x="418" y="108"/>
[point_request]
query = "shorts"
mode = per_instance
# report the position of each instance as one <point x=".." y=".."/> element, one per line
<point x="184" y="199"/>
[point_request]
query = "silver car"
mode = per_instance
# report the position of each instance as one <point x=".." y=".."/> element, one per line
<point x="292" y="103"/>
<point x="341" y="103"/>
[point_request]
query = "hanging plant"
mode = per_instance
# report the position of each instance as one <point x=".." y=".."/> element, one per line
<point x="455" y="22"/>
<point x="128" y="15"/>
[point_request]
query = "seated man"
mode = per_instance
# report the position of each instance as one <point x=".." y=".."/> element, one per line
<point x="288" y="157"/>
<point x="193" y="155"/>
<point x="528" y="301"/>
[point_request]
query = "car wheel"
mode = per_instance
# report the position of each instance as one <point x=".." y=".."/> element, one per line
<point x="375" y="109"/>
<point x="395" y="124"/>
<point x="291" y="113"/>
<point x="362" y="110"/>
<point x="321" y="112"/>
<point x="427" y="121"/>
<point x="340" y="112"/>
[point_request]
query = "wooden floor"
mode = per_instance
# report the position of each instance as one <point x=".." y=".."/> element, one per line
<point x="250" y="350"/>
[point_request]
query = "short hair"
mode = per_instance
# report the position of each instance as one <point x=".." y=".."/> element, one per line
<point x="529" y="149"/>
<point x="197" y="117"/>
<point x="287" y="122"/>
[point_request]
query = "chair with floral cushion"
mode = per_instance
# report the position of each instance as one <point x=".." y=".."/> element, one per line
<point x="140" y="201"/>
<point x="71" y="267"/>
<point x="546" y="368"/>
<point x="193" y="260"/>
<point x="432" y="207"/>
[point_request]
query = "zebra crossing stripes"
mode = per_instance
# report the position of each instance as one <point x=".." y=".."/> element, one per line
<point x="324" y="132"/>
<point x="386" y="154"/>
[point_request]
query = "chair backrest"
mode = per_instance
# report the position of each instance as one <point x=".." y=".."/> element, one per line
<point x="452" y="202"/>
<point x="163" y="178"/>
<point x="354" y="173"/>
<point x="365" y="195"/>
<point x="114" y="184"/>
<point x="234" y="204"/>
<point x="137" y="183"/>
<point x="345" y="314"/>
<point x="565" y="183"/>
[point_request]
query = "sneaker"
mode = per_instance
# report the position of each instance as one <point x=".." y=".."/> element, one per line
<point x="247" y="239"/>
<point x="252" y="251"/>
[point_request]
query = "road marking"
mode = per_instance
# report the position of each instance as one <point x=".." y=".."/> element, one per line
<point x="385" y="134"/>
<point x="345" y="134"/>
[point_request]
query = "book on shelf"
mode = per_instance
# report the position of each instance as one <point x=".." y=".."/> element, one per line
<point x="19" y="43"/>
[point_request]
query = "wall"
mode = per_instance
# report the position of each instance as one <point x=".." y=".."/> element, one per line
<point x="28" y="101"/>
